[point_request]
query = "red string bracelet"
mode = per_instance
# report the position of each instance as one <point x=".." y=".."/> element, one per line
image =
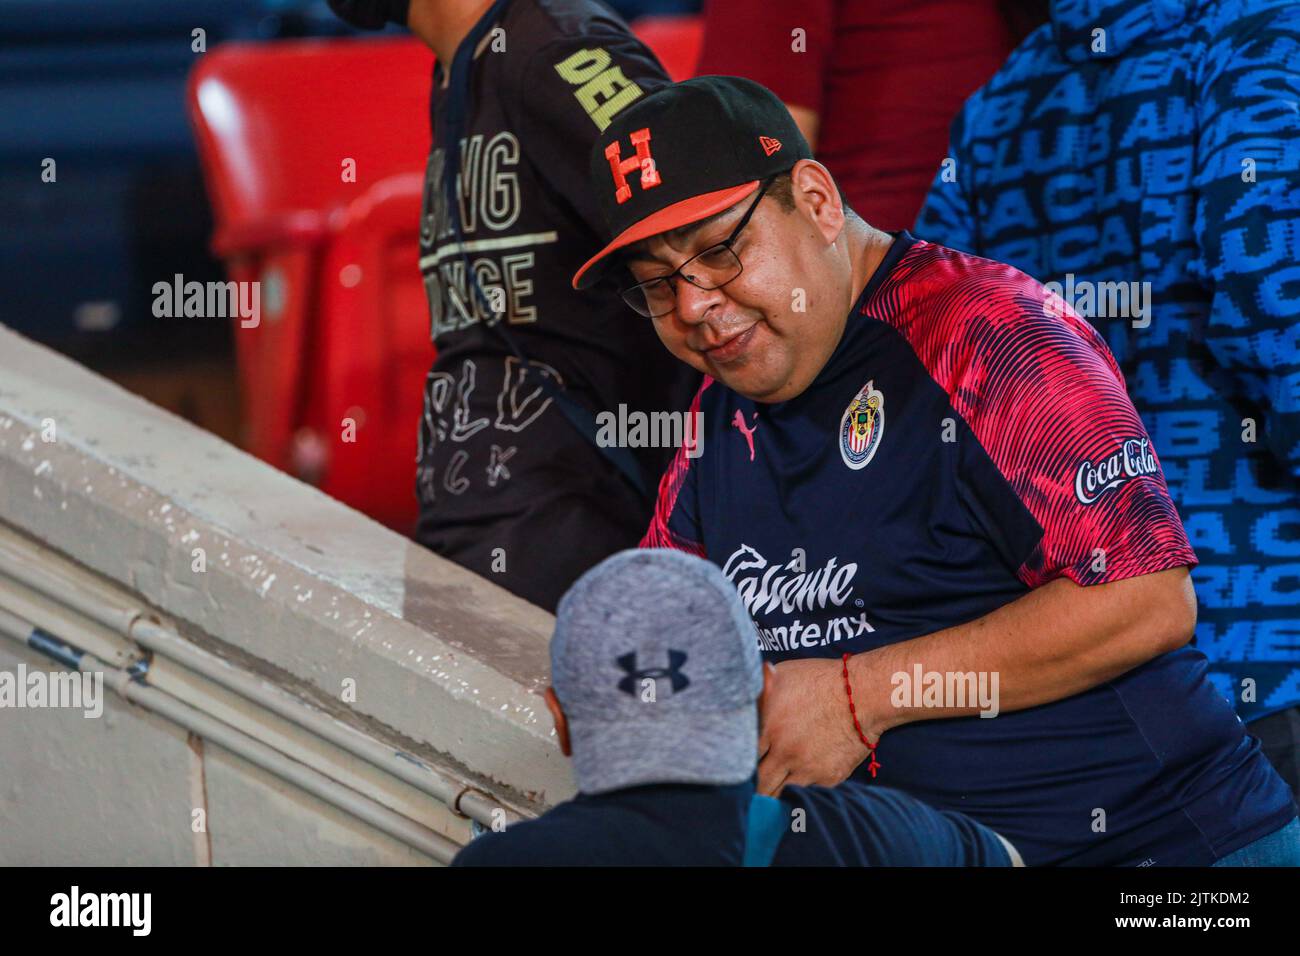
<point x="848" y="689"/>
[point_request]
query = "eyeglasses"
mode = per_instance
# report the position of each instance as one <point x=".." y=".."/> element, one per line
<point x="711" y="269"/>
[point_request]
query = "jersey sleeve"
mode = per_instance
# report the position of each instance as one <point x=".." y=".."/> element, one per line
<point x="758" y="41"/>
<point x="858" y="825"/>
<point x="676" y="522"/>
<point x="1049" y="407"/>
<point x="1053" y="425"/>
<point x="1248" y="223"/>
<point x="572" y="88"/>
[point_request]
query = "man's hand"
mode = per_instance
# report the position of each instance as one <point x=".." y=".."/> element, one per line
<point x="1058" y="640"/>
<point x="807" y="735"/>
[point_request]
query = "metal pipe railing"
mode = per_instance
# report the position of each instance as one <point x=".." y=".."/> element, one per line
<point x="45" y="577"/>
<point x="129" y="685"/>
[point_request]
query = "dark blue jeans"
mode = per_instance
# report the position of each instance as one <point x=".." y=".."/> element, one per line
<point x="1279" y="848"/>
<point x="1279" y="737"/>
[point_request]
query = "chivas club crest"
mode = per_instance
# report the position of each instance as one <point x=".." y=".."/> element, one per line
<point x="862" y="427"/>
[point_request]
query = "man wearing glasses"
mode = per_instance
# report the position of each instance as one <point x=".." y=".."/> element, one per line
<point x="927" y="483"/>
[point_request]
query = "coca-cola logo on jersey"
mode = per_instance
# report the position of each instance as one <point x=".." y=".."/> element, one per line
<point x="1134" y="459"/>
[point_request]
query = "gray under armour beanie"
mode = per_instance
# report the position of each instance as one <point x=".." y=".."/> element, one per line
<point x="656" y="664"/>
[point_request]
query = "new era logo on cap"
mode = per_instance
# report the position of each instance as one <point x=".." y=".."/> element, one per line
<point x="683" y="153"/>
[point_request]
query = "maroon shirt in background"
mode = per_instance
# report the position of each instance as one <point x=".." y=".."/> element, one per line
<point x="886" y="78"/>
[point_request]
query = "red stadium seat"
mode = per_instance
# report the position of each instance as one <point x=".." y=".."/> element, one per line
<point x="331" y="379"/>
<point x="374" y="356"/>
<point x="676" y="40"/>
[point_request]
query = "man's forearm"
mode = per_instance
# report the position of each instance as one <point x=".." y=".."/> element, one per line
<point x="1055" y="641"/>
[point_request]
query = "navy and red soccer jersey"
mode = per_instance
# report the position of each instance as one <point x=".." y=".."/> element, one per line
<point x="970" y="439"/>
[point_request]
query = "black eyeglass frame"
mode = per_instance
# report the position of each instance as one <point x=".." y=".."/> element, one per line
<point x="630" y="293"/>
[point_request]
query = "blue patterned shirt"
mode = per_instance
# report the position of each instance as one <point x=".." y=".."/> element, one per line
<point x="1142" y="159"/>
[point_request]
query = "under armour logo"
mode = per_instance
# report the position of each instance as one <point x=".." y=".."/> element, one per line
<point x="673" y="672"/>
<point x="642" y="161"/>
<point x="769" y="145"/>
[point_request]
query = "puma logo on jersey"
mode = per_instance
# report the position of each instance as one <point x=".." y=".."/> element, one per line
<point x="738" y="421"/>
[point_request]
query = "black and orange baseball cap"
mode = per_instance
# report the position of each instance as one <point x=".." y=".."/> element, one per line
<point x="683" y="153"/>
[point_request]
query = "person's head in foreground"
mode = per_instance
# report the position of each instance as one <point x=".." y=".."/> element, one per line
<point x="657" y="693"/>
<point x="772" y="259"/>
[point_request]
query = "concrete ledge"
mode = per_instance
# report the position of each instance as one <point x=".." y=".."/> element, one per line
<point x="268" y="571"/>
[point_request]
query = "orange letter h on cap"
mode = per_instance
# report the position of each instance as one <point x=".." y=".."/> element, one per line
<point x="642" y="160"/>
